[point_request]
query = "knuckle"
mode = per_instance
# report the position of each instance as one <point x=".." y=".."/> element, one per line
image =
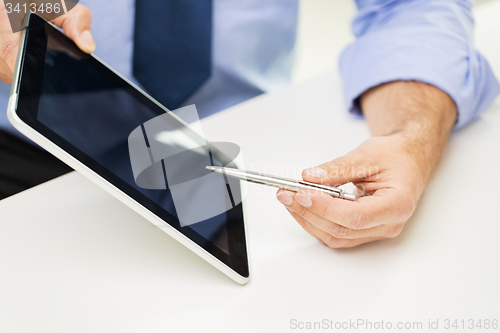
<point x="86" y="11"/>
<point x="334" y="168"/>
<point x="394" y="231"/>
<point x="323" y="210"/>
<point x="338" y="231"/>
<point x="300" y="211"/>
<point x="358" y="219"/>
<point x="407" y="208"/>
<point x="408" y="203"/>
<point x="408" y="212"/>
<point x="335" y="243"/>
<point x="81" y="11"/>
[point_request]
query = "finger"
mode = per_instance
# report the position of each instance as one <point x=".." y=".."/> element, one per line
<point x="6" y="73"/>
<point x="9" y="44"/>
<point x="319" y="227"/>
<point x="76" y="25"/>
<point x="339" y="231"/>
<point x="303" y="223"/>
<point x="285" y="197"/>
<point x="338" y="243"/>
<point x="5" y="23"/>
<point x="383" y="207"/>
<point x="363" y="187"/>
<point x="287" y="194"/>
<point x="351" y="167"/>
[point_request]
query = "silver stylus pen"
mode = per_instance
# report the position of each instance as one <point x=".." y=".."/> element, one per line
<point x="280" y="182"/>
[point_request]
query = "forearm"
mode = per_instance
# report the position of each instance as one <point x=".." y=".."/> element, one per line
<point x="420" y="114"/>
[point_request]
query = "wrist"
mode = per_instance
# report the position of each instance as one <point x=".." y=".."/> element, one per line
<point x="410" y="107"/>
<point x="421" y="116"/>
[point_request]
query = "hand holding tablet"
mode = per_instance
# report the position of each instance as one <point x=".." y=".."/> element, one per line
<point x="81" y="111"/>
<point x="76" y="25"/>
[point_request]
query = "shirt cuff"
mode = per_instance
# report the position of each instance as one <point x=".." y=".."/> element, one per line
<point x="424" y="54"/>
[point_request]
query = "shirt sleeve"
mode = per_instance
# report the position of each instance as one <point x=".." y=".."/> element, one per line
<point x="421" y="40"/>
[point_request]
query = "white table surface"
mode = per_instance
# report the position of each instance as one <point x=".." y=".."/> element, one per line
<point x="75" y="259"/>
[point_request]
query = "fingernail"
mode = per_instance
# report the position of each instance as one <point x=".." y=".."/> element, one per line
<point x="284" y="198"/>
<point x="316" y="172"/>
<point x="88" y="39"/>
<point x="290" y="210"/>
<point x="303" y="200"/>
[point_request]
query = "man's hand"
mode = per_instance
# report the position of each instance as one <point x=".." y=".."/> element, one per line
<point x="75" y="23"/>
<point x="410" y="122"/>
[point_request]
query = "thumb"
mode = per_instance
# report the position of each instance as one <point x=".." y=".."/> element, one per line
<point x="9" y="43"/>
<point x="342" y="170"/>
<point x="76" y="25"/>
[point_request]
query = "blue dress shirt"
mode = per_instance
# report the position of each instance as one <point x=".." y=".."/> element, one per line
<point x="253" y="49"/>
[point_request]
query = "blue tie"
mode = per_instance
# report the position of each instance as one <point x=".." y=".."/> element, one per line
<point x="172" y="52"/>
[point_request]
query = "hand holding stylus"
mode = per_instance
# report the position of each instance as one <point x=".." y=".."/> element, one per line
<point x="410" y="122"/>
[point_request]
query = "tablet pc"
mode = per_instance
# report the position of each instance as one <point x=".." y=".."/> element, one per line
<point x="80" y="110"/>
